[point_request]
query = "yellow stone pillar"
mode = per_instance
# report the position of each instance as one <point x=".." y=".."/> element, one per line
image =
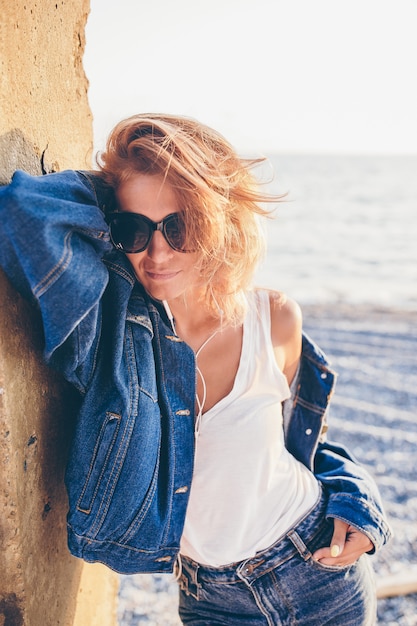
<point x="45" y="125"/>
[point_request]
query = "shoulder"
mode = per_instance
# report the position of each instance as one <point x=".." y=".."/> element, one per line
<point x="286" y="318"/>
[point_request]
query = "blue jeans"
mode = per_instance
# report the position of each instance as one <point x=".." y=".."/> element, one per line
<point x="281" y="585"/>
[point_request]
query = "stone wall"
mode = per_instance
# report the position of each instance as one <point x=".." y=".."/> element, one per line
<point x="45" y="125"/>
<point x="42" y="82"/>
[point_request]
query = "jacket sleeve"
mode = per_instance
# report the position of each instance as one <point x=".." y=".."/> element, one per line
<point x="53" y="236"/>
<point x="353" y="494"/>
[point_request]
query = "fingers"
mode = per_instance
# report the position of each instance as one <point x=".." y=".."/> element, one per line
<point x="329" y="555"/>
<point x="346" y="546"/>
<point x="339" y="538"/>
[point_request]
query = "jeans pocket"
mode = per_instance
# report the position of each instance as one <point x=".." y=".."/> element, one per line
<point x="322" y="536"/>
<point x="330" y="568"/>
<point x="189" y="588"/>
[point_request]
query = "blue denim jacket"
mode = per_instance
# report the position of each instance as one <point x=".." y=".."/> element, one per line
<point x="131" y="462"/>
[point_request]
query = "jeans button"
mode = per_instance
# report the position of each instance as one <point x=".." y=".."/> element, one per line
<point x="248" y="569"/>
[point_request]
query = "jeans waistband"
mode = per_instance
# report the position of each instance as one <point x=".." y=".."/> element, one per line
<point x="285" y="548"/>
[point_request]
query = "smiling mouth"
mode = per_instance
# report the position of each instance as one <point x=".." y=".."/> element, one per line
<point x="161" y="275"/>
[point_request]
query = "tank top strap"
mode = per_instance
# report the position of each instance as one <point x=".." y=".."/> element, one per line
<point x="259" y="321"/>
<point x="263" y="308"/>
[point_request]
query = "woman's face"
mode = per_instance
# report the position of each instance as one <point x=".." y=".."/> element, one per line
<point x="165" y="273"/>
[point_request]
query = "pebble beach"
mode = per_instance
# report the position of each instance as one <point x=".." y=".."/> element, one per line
<point x="374" y="413"/>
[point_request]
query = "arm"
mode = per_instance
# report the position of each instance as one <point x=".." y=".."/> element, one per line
<point x="52" y="238"/>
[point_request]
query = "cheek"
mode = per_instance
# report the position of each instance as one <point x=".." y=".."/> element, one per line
<point x="135" y="261"/>
<point x="193" y="264"/>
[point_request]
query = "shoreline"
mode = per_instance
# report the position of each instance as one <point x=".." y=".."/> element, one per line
<point x="350" y="311"/>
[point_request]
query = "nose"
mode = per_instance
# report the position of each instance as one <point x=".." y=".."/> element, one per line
<point x="158" y="248"/>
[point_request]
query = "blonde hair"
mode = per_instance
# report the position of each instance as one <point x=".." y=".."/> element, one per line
<point x="218" y="195"/>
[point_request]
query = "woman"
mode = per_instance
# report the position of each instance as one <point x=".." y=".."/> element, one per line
<point x="182" y="454"/>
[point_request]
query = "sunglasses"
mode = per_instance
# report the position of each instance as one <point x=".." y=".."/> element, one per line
<point x="132" y="233"/>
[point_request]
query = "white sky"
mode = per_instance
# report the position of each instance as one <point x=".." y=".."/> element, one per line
<point x="271" y="75"/>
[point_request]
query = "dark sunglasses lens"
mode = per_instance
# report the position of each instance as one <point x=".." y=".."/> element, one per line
<point x="130" y="233"/>
<point x="175" y="232"/>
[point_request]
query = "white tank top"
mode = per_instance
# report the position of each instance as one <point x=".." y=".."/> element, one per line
<point x="247" y="489"/>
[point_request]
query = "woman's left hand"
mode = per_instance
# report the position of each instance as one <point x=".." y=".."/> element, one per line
<point x="347" y="545"/>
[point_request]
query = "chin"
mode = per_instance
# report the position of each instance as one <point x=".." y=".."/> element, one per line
<point x="160" y="293"/>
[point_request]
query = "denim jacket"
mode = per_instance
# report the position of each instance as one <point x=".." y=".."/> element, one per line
<point x="131" y="462"/>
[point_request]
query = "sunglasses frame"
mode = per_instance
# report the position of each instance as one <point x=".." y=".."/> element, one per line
<point x="151" y="225"/>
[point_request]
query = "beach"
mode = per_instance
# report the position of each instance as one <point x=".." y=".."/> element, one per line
<point x="373" y="413"/>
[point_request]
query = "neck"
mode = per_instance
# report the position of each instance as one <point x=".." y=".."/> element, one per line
<point x="193" y="323"/>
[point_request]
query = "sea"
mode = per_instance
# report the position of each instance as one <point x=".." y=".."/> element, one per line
<point x="346" y="231"/>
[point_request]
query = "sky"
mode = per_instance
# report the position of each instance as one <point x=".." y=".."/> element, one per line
<point x="273" y="76"/>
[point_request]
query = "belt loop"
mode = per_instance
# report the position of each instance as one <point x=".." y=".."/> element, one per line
<point x="194" y="574"/>
<point x="178" y="567"/>
<point x="299" y="544"/>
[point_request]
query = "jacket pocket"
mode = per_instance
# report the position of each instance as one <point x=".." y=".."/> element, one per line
<point x="142" y="513"/>
<point x="99" y="462"/>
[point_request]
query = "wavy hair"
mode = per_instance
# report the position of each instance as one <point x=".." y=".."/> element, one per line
<point x="218" y="194"/>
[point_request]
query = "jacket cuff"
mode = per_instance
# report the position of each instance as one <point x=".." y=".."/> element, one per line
<point x="361" y="514"/>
